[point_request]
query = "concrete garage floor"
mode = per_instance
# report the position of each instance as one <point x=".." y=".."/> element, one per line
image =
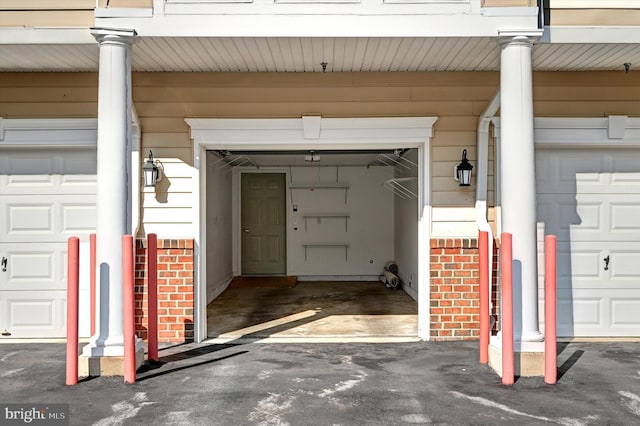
<point x="314" y="311"/>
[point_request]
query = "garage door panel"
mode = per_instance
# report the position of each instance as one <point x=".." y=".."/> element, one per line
<point x="39" y="185"/>
<point x="29" y="314"/>
<point x="626" y="168"/>
<point x="588" y="171"/>
<point x="18" y="182"/>
<point x="563" y="217"/>
<point x="78" y="219"/>
<point x="558" y="173"/>
<point x="579" y="263"/>
<point x="579" y="309"/>
<point x="79" y="181"/>
<point x="581" y="314"/>
<point x="33" y="218"/>
<point x="624" y="264"/>
<point x="34" y="268"/>
<point x="592" y="217"/>
<point x="582" y="265"/>
<point x="590" y="199"/>
<point x="624" y="312"/>
<point x="46" y="218"/>
<point x="46" y="196"/>
<point x="625" y="216"/>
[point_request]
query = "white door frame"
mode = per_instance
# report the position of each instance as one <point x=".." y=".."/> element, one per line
<point x="306" y="133"/>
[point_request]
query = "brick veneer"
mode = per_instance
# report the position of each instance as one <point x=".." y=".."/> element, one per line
<point x="175" y="290"/>
<point x="455" y="307"/>
<point x="454" y="310"/>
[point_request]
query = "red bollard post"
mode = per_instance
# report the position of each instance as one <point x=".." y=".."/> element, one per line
<point x="550" y="333"/>
<point x="92" y="282"/>
<point x="152" y="299"/>
<point x="484" y="296"/>
<point x="506" y="259"/>
<point x="129" y="310"/>
<point x="73" y="290"/>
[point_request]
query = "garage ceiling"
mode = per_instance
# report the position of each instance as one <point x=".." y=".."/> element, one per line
<point x="319" y="158"/>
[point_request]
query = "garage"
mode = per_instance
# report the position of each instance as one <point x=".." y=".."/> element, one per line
<point x="590" y="199"/>
<point x="47" y="194"/>
<point x="346" y="196"/>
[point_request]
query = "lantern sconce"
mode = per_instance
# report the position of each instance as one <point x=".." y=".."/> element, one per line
<point x="152" y="172"/>
<point x="462" y="172"/>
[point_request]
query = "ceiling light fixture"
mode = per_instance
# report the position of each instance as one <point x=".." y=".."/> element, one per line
<point x="312" y="158"/>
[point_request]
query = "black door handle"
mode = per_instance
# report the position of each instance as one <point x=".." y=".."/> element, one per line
<point x="606" y="263"/>
<point x="4" y="264"/>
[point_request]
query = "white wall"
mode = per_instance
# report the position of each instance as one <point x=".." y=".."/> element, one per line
<point x="368" y="230"/>
<point x="406" y="231"/>
<point x="218" y="225"/>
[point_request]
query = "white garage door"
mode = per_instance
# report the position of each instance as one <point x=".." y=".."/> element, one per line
<point x="590" y="199"/>
<point x="46" y="196"/>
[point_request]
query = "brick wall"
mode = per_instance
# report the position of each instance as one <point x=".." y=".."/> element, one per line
<point x="175" y="290"/>
<point x="455" y="303"/>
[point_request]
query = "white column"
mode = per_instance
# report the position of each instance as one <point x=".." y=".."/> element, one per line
<point x="518" y="177"/>
<point x="113" y="180"/>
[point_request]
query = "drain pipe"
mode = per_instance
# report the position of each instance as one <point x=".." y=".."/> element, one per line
<point x="482" y="178"/>
<point x="135" y="173"/>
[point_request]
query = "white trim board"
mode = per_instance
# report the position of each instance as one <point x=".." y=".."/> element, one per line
<point x="305" y="134"/>
<point x="596" y="132"/>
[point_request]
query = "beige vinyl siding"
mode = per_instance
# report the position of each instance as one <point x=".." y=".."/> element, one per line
<point x="457" y="99"/>
<point x="163" y="100"/>
<point x="47" y="4"/>
<point x="586" y="94"/>
<point x="48" y="19"/>
<point x="38" y="13"/>
<point x="48" y="95"/>
<point x="595" y="17"/>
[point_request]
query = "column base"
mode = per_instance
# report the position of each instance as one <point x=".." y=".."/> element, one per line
<point x="93" y="366"/>
<point x="528" y="358"/>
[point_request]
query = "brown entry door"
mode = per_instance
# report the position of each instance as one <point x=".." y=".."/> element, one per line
<point x="263" y="207"/>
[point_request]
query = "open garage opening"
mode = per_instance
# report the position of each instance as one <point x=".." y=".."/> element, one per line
<point x="337" y="247"/>
<point x="298" y="242"/>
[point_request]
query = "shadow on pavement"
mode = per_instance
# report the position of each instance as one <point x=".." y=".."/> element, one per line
<point x="149" y="366"/>
<point x="570" y="362"/>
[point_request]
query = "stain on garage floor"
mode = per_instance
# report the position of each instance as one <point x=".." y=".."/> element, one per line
<point x="320" y="310"/>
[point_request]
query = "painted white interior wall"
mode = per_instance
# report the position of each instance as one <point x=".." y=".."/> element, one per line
<point x="218" y="225"/>
<point x="369" y="229"/>
<point x="406" y="230"/>
<point x="380" y="226"/>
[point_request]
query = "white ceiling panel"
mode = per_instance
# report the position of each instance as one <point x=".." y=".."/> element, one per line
<point x="195" y="54"/>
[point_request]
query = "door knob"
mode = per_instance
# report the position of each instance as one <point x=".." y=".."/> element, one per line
<point x="606" y="263"/>
<point x="4" y="264"/>
<point x="245" y="230"/>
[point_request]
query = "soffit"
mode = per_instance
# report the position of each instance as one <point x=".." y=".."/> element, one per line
<point x="369" y="54"/>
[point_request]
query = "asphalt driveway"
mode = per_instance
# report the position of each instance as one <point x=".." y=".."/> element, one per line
<point x="332" y="384"/>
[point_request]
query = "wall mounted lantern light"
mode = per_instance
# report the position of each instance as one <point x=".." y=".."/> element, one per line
<point x="463" y="170"/>
<point x="151" y="172"/>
